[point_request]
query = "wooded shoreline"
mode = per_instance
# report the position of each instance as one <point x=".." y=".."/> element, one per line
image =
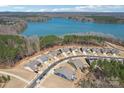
<point x="15" y="23"/>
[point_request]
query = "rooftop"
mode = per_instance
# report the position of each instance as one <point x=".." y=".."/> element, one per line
<point x="43" y="58"/>
<point x="65" y="72"/>
<point x="33" y="64"/>
<point x="77" y="63"/>
<point x="65" y="49"/>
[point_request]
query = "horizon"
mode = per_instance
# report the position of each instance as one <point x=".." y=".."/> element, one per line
<point x="56" y="12"/>
<point x="62" y="8"/>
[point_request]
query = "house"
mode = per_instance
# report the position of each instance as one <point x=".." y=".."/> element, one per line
<point x="115" y="51"/>
<point x="33" y="65"/>
<point x="66" y="51"/>
<point x="76" y="51"/>
<point x="89" y="60"/>
<point x="95" y="50"/>
<point x="43" y="58"/>
<point x="77" y="63"/>
<point x="85" y="51"/>
<point x="106" y="50"/>
<point x="103" y="50"/>
<point x="65" y="73"/>
<point x="121" y="60"/>
<point x="55" y="53"/>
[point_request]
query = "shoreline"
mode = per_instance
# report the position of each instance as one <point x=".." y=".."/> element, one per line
<point x="49" y="17"/>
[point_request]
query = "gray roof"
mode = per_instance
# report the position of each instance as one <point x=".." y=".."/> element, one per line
<point x="65" y="49"/>
<point x="85" y="49"/>
<point x="44" y="58"/>
<point x="33" y="64"/>
<point x="106" y="50"/>
<point x="119" y="59"/>
<point x="77" y="63"/>
<point x="74" y="48"/>
<point x="91" y="59"/>
<point x="97" y="50"/>
<point x="115" y="51"/>
<point x="68" y="73"/>
<point x="54" y="53"/>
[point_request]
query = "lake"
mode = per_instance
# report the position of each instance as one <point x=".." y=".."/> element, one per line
<point x="61" y="26"/>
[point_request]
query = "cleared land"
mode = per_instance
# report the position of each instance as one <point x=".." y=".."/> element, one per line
<point x="15" y="83"/>
<point x="53" y="81"/>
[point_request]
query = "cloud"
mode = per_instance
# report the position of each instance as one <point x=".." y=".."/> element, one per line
<point x="29" y="10"/>
<point x="80" y="7"/>
<point x="18" y="7"/>
<point x="3" y="5"/>
<point x="87" y="7"/>
<point x="61" y="9"/>
<point x="42" y="10"/>
<point x="100" y="8"/>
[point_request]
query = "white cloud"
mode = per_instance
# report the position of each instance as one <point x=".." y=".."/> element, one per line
<point x="87" y="7"/>
<point x="99" y="8"/>
<point x="43" y="10"/>
<point x="80" y="7"/>
<point x="18" y="7"/>
<point x="61" y="9"/>
<point x="29" y="10"/>
<point x="54" y="10"/>
<point x="3" y="5"/>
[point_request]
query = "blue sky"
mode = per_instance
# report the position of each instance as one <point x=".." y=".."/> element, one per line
<point x="62" y="8"/>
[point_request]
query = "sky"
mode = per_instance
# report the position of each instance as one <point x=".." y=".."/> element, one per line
<point x="61" y="8"/>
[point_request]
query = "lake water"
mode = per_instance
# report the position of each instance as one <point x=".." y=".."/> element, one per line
<point x="61" y="26"/>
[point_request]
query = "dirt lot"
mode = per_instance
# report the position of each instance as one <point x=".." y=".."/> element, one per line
<point x="15" y="83"/>
<point x="20" y="72"/>
<point x="53" y="81"/>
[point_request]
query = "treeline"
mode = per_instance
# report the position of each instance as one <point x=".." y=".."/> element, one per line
<point x="11" y="26"/>
<point x="14" y="48"/>
<point x="35" y="18"/>
<point x="104" y="74"/>
<point x="16" y="24"/>
<point x="4" y="80"/>
<point x="106" y="19"/>
<point x="111" y="69"/>
<point x="97" y="19"/>
<point x="88" y="40"/>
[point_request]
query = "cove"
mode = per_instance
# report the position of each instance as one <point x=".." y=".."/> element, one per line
<point x="61" y="26"/>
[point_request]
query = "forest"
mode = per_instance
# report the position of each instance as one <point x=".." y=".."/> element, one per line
<point x="15" y="47"/>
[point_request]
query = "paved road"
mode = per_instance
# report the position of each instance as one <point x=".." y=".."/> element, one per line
<point x="40" y="76"/>
<point x="13" y="75"/>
